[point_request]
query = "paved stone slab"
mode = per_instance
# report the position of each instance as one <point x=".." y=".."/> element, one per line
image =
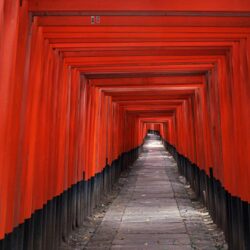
<point x="158" y="213"/>
<point x="154" y="210"/>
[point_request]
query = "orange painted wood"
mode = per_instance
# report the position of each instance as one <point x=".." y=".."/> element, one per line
<point x="74" y="95"/>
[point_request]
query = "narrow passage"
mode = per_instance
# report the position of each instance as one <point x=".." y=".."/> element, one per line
<point x="154" y="210"/>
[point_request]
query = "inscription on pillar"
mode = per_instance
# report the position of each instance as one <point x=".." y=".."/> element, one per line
<point x="95" y="19"/>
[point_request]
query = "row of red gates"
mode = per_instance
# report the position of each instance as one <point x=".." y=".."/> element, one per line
<point x="81" y="83"/>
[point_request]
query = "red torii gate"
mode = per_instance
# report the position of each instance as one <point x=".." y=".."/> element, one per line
<point x="80" y="79"/>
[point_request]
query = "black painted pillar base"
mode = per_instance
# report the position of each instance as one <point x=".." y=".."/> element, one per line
<point x="230" y="213"/>
<point x="53" y="223"/>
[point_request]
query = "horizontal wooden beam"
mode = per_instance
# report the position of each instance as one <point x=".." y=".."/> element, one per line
<point x="140" y="5"/>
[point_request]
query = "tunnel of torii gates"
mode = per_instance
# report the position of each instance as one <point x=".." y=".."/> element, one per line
<point x="81" y="83"/>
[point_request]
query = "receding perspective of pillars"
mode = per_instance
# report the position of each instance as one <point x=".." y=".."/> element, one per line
<point x="81" y="84"/>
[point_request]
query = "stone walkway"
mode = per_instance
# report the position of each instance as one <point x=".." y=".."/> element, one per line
<point x="154" y="211"/>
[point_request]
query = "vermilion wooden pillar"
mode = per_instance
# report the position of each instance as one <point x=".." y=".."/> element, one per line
<point x="81" y="83"/>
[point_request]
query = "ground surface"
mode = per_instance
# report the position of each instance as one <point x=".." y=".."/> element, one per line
<point x="150" y="208"/>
